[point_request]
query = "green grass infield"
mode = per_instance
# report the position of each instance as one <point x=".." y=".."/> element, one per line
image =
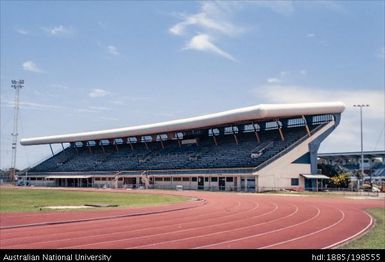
<point x="30" y="200"/>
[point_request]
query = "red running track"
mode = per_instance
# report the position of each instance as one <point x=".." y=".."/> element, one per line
<point x="215" y="221"/>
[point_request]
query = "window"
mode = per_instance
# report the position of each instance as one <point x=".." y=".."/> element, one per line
<point x="167" y="179"/>
<point x="158" y="178"/>
<point x="176" y="179"/>
<point x="206" y="179"/>
<point x="229" y="179"/>
<point x="214" y="179"/>
<point x="295" y="182"/>
<point x="194" y="179"/>
<point x="186" y="179"/>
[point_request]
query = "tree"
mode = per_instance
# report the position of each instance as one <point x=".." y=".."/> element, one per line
<point x="340" y="180"/>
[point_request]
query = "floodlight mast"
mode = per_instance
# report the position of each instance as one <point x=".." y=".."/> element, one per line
<point x="362" y="147"/>
<point x="17" y="85"/>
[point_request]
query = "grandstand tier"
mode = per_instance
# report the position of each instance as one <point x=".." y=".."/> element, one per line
<point x="249" y="149"/>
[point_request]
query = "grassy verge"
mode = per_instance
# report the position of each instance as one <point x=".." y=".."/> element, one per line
<point x="375" y="238"/>
<point x="30" y="200"/>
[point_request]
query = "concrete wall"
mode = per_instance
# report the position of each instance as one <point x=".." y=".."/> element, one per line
<point x="279" y="173"/>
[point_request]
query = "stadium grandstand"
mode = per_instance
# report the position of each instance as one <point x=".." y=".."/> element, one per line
<point x="253" y="148"/>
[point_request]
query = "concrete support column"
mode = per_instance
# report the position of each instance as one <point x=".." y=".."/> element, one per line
<point x="246" y="184"/>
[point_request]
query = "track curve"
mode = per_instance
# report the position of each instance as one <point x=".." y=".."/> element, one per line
<point x="217" y="221"/>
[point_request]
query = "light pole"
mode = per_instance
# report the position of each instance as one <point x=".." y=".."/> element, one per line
<point x="17" y="85"/>
<point x="362" y="147"/>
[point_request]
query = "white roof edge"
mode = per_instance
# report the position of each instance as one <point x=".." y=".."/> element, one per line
<point x="236" y="115"/>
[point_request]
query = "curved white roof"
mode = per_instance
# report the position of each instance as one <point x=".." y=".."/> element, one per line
<point x="227" y="117"/>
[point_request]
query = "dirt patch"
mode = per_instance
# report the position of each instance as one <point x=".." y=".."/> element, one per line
<point x="68" y="207"/>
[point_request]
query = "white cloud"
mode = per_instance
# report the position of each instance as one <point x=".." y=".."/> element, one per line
<point x="58" y="30"/>
<point x="112" y="50"/>
<point x="98" y="93"/>
<point x="346" y="136"/>
<point x="381" y="53"/>
<point x="32" y="67"/>
<point x="273" y="80"/>
<point x="203" y="42"/>
<point x="296" y="94"/>
<point x="310" y="35"/>
<point x="22" y="31"/>
<point x="213" y="19"/>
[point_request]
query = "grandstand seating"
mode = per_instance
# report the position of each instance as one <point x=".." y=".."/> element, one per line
<point x="205" y="154"/>
<point x="379" y="172"/>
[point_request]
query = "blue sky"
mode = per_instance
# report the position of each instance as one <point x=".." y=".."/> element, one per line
<point x="106" y="64"/>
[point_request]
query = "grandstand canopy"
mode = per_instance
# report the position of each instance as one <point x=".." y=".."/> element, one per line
<point x="252" y="113"/>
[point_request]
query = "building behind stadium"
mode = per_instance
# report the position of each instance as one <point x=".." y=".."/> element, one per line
<point x="257" y="148"/>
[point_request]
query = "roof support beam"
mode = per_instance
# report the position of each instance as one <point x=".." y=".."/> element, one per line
<point x="235" y="135"/>
<point x="131" y="146"/>
<point x="50" y="146"/>
<point x="178" y="138"/>
<point x="89" y="147"/>
<point x="215" y="140"/>
<point x="101" y="144"/>
<point x="306" y="126"/>
<point x="145" y="143"/>
<point x="256" y="133"/>
<point x="160" y="140"/>
<point x="280" y="130"/>
<point x="281" y="134"/>
<point x="113" y="142"/>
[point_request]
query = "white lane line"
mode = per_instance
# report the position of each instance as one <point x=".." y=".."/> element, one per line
<point x="220" y="232"/>
<point x="120" y="232"/>
<point x="310" y="234"/>
<point x="353" y="236"/>
<point x="158" y="234"/>
<point x="97" y="228"/>
<point x="262" y="234"/>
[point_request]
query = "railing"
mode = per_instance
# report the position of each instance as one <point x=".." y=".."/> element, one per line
<point x="287" y="149"/>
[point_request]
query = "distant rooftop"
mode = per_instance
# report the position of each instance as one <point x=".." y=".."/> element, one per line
<point x="379" y="153"/>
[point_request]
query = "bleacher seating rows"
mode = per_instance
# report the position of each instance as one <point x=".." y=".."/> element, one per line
<point x="227" y="154"/>
<point x="379" y="172"/>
